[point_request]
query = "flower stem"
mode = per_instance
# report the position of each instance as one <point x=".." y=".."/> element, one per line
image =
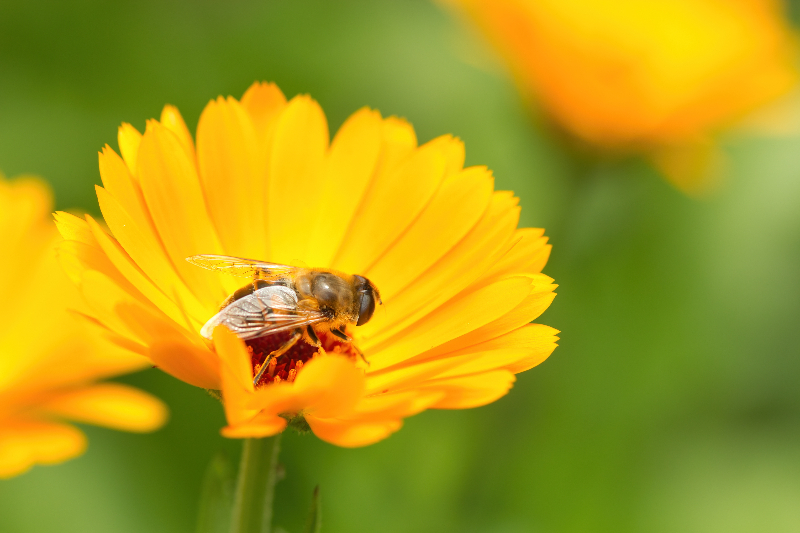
<point x="255" y="487"/>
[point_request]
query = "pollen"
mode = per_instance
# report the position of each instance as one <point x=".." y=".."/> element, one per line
<point x="289" y="365"/>
<point x="278" y="368"/>
<point x="333" y="344"/>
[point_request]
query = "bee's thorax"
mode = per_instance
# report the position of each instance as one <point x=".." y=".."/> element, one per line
<point x="333" y="294"/>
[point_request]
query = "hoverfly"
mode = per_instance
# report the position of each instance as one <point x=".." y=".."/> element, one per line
<point x="280" y="298"/>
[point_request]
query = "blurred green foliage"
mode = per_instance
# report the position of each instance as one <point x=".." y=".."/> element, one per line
<point x="672" y="403"/>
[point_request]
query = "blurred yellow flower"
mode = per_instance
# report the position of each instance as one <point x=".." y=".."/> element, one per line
<point x="658" y="77"/>
<point x="49" y="362"/>
<point x="460" y="283"/>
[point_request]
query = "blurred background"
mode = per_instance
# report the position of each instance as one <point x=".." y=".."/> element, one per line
<point x="672" y="403"/>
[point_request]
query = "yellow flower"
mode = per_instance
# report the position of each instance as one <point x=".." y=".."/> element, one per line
<point x="656" y="76"/>
<point x="460" y="283"/>
<point x="49" y="363"/>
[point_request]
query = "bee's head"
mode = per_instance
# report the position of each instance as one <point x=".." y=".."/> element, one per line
<point x="366" y="294"/>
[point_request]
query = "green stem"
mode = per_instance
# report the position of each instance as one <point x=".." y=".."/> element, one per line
<point x="255" y="488"/>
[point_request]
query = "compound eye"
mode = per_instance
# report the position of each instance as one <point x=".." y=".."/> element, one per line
<point x="366" y="308"/>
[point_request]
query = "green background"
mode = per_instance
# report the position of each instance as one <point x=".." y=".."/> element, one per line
<point x="672" y="403"/>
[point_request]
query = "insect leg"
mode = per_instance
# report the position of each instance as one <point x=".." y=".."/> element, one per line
<point x="312" y="335"/>
<point x="314" y="339"/>
<point x="341" y="334"/>
<point x="277" y="353"/>
<point x="360" y="354"/>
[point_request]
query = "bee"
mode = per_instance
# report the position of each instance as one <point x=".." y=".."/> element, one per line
<point x="303" y="301"/>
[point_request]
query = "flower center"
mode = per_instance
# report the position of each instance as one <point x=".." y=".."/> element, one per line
<point x="287" y="366"/>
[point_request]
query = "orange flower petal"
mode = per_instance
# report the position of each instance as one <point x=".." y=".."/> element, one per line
<point x="172" y="120"/>
<point x="681" y="68"/>
<point x="173" y="194"/>
<point x="260" y="426"/>
<point x="408" y="189"/>
<point x="144" y="248"/>
<point x="522" y="348"/>
<point x="111" y="405"/>
<point x="453" y="273"/>
<point x="128" y="139"/>
<point x="484" y="361"/>
<point x="405" y="374"/>
<point x="453" y="150"/>
<point x="455" y="318"/>
<point x="398" y="141"/>
<point x="25" y="197"/>
<point x="348" y="170"/>
<point x="509" y="331"/>
<point x="470" y="391"/>
<point x="327" y="385"/>
<point x="534" y="341"/>
<point x="395" y="405"/>
<point x="26" y="443"/>
<point x="529" y="253"/>
<point x="519" y="347"/>
<point x="123" y="187"/>
<point x="151" y="325"/>
<point x="540" y="340"/>
<point x="139" y="282"/>
<point x="263" y="102"/>
<point x="73" y="228"/>
<point x="237" y="376"/>
<point x="103" y="296"/>
<point x="113" y="353"/>
<point x="35" y="368"/>
<point x="534" y="304"/>
<point x="454" y="210"/>
<point x="298" y="149"/>
<point x="352" y="435"/>
<point x="196" y="366"/>
<point x="232" y="177"/>
<point x="76" y="257"/>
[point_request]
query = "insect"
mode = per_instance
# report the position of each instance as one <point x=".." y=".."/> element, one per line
<point x="304" y="301"/>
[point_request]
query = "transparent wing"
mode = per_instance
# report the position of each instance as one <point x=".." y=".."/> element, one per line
<point x="268" y="310"/>
<point x="240" y="266"/>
